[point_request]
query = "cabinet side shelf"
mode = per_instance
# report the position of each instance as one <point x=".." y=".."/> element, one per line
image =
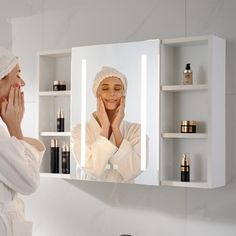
<point x="58" y="176"/>
<point x="58" y="134"/>
<point x="55" y="93"/>
<point x="190" y="184"/>
<point x="176" y="88"/>
<point x="184" y="135"/>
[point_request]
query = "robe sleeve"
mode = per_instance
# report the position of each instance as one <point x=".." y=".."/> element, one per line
<point x="97" y="153"/>
<point x="128" y="157"/>
<point x="19" y="164"/>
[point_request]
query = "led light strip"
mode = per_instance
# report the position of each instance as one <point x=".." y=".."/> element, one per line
<point x="143" y="110"/>
<point x="83" y="112"/>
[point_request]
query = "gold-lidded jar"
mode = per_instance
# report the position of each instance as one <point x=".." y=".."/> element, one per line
<point x="188" y="126"/>
<point x="59" y="85"/>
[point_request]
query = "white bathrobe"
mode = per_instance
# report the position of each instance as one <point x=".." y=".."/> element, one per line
<point x="19" y="173"/>
<point x="104" y="161"/>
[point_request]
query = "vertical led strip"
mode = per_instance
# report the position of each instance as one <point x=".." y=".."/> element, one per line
<point x="83" y="112"/>
<point x="143" y="110"/>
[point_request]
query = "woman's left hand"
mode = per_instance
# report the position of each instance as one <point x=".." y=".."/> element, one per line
<point x="119" y="115"/>
<point x="12" y="111"/>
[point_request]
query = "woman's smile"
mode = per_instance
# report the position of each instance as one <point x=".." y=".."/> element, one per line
<point x="111" y="90"/>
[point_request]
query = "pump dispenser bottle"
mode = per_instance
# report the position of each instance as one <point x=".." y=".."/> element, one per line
<point x="54" y="160"/>
<point x="188" y="75"/>
<point x="60" y="121"/>
<point x="185" y="168"/>
<point x="65" y="158"/>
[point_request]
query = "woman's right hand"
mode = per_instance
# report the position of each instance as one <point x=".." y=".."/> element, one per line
<point x="102" y="117"/>
<point x="12" y="111"/>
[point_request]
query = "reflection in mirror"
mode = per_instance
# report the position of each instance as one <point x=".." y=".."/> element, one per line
<point x="115" y="98"/>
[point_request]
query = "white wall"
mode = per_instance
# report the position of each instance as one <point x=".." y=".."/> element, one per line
<point x="74" y="208"/>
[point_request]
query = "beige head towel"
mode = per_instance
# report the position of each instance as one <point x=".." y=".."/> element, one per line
<point x="106" y="72"/>
<point x="7" y="62"/>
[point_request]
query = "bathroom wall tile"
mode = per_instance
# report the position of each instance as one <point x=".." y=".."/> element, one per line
<point x="215" y="17"/>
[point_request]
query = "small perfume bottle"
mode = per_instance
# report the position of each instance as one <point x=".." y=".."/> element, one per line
<point x="60" y="121"/>
<point x="185" y="168"/>
<point x="188" y="75"/>
<point x="65" y="158"/>
<point x="54" y="158"/>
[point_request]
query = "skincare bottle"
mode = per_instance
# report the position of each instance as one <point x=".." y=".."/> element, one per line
<point x="54" y="158"/>
<point x="188" y="75"/>
<point x="60" y="121"/>
<point x="65" y="159"/>
<point x="185" y="168"/>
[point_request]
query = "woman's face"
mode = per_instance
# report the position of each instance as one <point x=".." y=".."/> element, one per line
<point x="12" y="79"/>
<point x="111" y="90"/>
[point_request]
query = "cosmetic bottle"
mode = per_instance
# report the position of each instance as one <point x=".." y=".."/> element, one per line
<point x="60" y="121"/>
<point x="54" y="158"/>
<point x="65" y="159"/>
<point x="188" y="75"/>
<point x="59" y="85"/>
<point x="185" y="168"/>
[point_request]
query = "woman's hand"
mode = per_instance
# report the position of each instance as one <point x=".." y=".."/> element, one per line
<point x="119" y="115"/>
<point x="12" y="111"/>
<point x="117" y="119"/>
<point x="102" y="117"/>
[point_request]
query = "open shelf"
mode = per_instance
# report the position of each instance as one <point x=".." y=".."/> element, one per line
<point x="177" y="88"/>
<point x="190" y="184"/>
<point x="59" y="176"/>
<point x="203" y="102"/>
<point x="55" y="134"/>
<point x="53" y="66"/>
<point x="184" y="135"/>
<point x="55" y="93"/>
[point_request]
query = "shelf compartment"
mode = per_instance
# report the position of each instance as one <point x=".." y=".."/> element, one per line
<point x="55" y="93"/>
<point x="49" y="107"/>
<point x="56" y="134"/>
<point x="45" y="166"/>
<point x="184" y="106"/>
<point x="177" y="88"/>
<point x="185" y="135"/>
<point x="55" y="66"/>
<point x="171" y="156"/>
<point x="203" y="101"/>
<point x="52" y="66"/>
<point x="177" y="53"/>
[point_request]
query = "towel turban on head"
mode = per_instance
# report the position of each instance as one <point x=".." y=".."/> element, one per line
<point x="7" y="62"/>
<point x="106" y="72"/>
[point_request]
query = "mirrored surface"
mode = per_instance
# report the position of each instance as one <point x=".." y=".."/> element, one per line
<point x="99" y="158"/>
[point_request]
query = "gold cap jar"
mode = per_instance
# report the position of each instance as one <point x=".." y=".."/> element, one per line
<point x="188" y="126"/>
<point x="59" y="85"/>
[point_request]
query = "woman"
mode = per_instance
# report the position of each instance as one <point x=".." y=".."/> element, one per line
<point x="112" y="144"/>
<point x="20" y="157"/>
